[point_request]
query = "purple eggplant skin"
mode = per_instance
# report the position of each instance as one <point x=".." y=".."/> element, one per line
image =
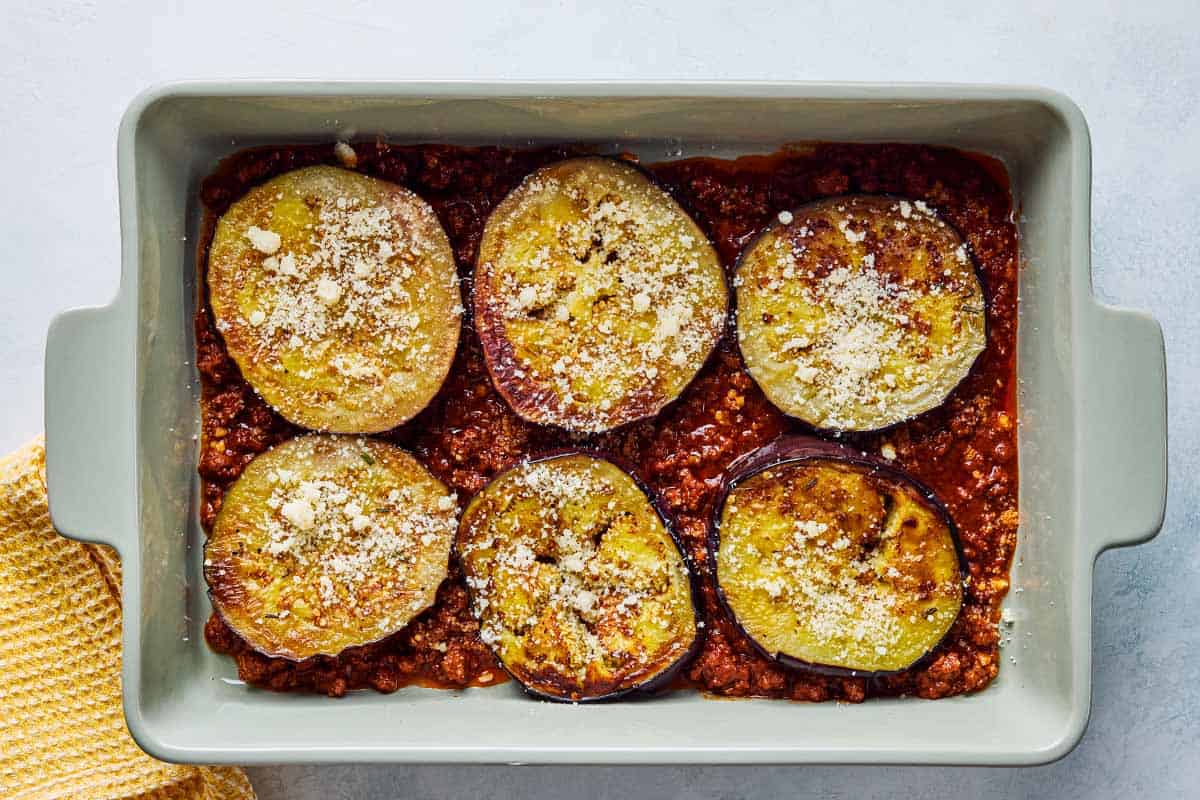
<point x="659" y="683"/>
<point x="837" y="432"/>
<point x="788" y="449"/>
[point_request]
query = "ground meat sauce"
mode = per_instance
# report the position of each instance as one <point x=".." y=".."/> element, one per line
<point x="965" y="450"/>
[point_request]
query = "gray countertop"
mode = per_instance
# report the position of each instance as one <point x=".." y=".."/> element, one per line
<point x="68" y="69"/>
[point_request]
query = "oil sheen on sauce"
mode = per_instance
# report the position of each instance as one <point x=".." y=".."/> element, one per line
<point x="965" y="450"/>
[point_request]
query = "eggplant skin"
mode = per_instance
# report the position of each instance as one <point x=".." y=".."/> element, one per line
<point x="858" y="312"/>
<point x="833" y="561"/>
<point x="596" y="297"/>
<point x="337" y="295"/>
<point x="327" y="542"/>
<point x="579" y="585"/>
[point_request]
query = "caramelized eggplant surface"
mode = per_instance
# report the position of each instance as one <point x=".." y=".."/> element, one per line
<point x="328" y="542"/>
<point x="597" y="298"/>
<point x="829" y="560"/>
<point x="858" y="312"/>
<point x="337" y="295"/>
<point x="579" y="586"/>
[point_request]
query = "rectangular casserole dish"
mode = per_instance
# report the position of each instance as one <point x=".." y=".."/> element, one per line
<point x="122" y="417"/>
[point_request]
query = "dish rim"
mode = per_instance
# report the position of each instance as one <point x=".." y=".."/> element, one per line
<point x="1135" y="334"/>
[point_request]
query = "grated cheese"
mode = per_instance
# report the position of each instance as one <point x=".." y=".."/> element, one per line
<point x="842" y="335"/>
<point x="563" y="529"/>
<point x="346" y="155"/>
<point x="263" y="241"/>
<point x="617" y="300"/>
<point x="330" y="528"/>
<point x="346" y="292"/>
<point x="841" y="595"/>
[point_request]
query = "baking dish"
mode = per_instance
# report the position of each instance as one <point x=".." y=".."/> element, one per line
<point x="122" y="418"/>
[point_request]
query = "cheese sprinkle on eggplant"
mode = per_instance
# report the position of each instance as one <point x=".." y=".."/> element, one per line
<point x="327" y="542"/>
<point x="578" y="585"/>
<point x="597" y="298"/>
<point x="337" y="295"/>
<point x="831" y="563"/>
<point x="859" y="312"/>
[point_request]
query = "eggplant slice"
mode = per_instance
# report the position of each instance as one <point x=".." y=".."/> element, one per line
<point x="337" y="295"/>
<point x="833" y="561"/>
<point x="859" y="312"/>
<point x="597" y="298"/>
<point x="328" y="542"/>
<point x="579" y="587"/>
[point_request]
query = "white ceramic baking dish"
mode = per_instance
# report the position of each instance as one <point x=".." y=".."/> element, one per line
<point x="122" y="418"/>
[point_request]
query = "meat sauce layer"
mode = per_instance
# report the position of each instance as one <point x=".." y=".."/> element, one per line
<point x="966" y="450"/>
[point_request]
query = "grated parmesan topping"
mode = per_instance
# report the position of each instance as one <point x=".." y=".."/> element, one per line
<point x="263" y="241"/>
<point x="864" y="320"/>
<point x="341" y="304"/>
<point x="355" y="278"/>
<point x="583" y="587"/>
<point x="345" y="155"/>
<point x="847" y="324"/>
<point x="845" y="596"/>
<point x="624" y="291"/>
<point x="832" y="599"/>
<point x="338" y="531"/>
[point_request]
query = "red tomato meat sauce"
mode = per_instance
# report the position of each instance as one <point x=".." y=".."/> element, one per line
<point x="965" y="450"/>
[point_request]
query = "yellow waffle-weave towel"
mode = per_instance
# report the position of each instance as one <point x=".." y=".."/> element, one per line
<point x="62" y="731"/>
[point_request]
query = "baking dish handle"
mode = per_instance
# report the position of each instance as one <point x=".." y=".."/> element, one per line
<point x="90" y="412"/>
<point x="1123" y="442"/>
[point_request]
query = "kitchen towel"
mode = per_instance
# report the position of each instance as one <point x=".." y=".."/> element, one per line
<point x="62" y="730"/>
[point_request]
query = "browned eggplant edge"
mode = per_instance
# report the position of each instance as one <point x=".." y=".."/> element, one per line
<point x="796" y="212"/>
<point x="315" y="657"/>
<point x="792" y="449"/>
<point x="517" y="397"/>
<point x="659" y="682"/>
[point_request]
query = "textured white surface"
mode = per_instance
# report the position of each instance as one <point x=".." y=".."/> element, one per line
<point x="67" y="71"/>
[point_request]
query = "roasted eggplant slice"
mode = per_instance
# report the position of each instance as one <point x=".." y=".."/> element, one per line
<point x="855" y="313"/>
<point x="337" y="295"/>
<point x="597" y="299"/>
<point x="327" y="542"/>
<point x="579" y="586"/>
<point x="832" y="561"/>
